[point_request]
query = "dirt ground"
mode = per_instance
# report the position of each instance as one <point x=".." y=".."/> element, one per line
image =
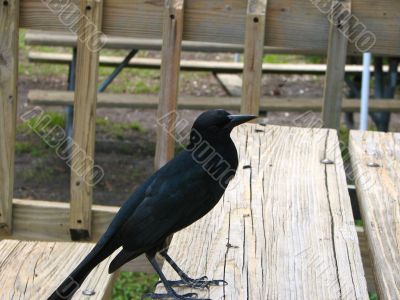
<point x="128" y="159"/>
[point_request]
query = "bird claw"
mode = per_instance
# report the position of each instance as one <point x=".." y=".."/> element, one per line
<point x="199" y="283"/>
<point x="189" y="296"/>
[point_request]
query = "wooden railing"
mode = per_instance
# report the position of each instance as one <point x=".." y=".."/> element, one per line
<point x="295" y="26"/>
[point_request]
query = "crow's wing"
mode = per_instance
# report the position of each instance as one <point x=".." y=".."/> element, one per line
<point x="175" y="199"/>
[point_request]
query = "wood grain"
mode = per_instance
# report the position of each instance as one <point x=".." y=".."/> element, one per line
<point x="56" y="98"/>
<point x="284" y="228"/>
<point x="169" y="89"/>
<point x="253" y="56"/>
<point x="336" y="62"/>
<point x="198" y="65"/>
<point x="9" y="15"/>
<point x="49" y="221"/>
<point x="84" y="121"/>
<point x="223" y="21"/>
<point x="378" y="193"/>
<point x="33" y="270"/>
<point x="66" y="39"/>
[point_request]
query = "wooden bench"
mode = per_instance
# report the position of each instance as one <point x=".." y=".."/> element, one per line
<point x="66" y="39"/>
<point x="64" y="98"/>
<point x="197" y="65"/>
<point x="284" y="229"/>
<point x="33" y="270"/>
<point x="376" y="162"/>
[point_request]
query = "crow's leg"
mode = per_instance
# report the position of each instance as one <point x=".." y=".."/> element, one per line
<point x="170" y="291"/>
<point x="198" y="283"/>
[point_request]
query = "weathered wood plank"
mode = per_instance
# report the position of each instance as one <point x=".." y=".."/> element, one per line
<point x="336" y="62"/>
<point x="222" y="21"/>
<point x="33" y="270"/>
<point x="231" y="83"/>
<point x="84" y="120"/>
<point x="49" y="221"/>
<point x="200" y="66"/>
<point x="284" y="228"/>
<point x="66" y="39"/>
<point x="379" y="199"/>
<point x="45" y="97"/>
<point x="9" y="15"/>
<point x="253" y="56"/>
<point x="169" y="89"/>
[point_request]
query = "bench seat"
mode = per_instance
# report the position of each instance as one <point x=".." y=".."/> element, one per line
<point x="197" y="65"/>
<point x="33" y="270"/>
<point x="284" y="229"/>
<point x="63" y="98"/>
<point x="67" y="39"/>
<point x="375" y="159"/>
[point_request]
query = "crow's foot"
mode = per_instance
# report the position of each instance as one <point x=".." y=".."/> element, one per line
<point x="172" y="295"/>
<point x="199" y="283"/>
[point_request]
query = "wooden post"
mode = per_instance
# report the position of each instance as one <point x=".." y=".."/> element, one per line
<point x="84" y="119"/>
<point x="253" y="56"/>
<point x="336" y="62"/>
<point x="171" y="55"/>
<point x="9" y="22"/>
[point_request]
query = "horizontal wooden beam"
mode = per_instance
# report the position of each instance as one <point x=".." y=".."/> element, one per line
<point x="49" y="221"/>
<point x="289" y="24"/>
<point x="66" y="39"/>
<point x="63" y="98"/>
<point x="196" y="65"/>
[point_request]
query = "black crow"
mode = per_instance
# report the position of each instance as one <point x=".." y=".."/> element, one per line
<point x="175" y="196"/>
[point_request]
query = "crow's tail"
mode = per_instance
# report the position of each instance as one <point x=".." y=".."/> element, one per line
<point x="72" y="283"/>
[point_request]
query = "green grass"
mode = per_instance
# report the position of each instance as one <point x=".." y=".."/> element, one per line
<point x="286" y="59"/>
<point x="34" y="70"/>
<point x="46" y="123"/>
<point x="373" y="296"/>
<point x="30" y="148"/>
<point x="133" y="81"/>
<point x="116" y="130"/>
<point x="36" y="123"/>
<point x="131" y="286"/>
<point x="359" y="223"/>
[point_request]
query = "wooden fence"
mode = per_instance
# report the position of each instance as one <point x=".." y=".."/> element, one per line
<point x="303" y="26"/>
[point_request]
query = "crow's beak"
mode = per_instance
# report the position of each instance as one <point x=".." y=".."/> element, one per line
<point x="240" y="119"/>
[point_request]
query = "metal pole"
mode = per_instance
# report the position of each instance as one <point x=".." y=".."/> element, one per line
<point x="365" y="91"/>
<point x="237" y="57"/>
<point x="70" y="108"/>
<point x="117" y="70"/>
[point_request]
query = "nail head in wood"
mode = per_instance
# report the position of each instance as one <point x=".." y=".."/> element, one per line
<point x="88" y="292"/>
<point x="373" y="165"/>
<point x="327" y="161"/>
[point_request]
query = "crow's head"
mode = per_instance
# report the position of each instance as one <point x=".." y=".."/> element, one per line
<point x="217" y="123"/>
<point x="219" y="119"/>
